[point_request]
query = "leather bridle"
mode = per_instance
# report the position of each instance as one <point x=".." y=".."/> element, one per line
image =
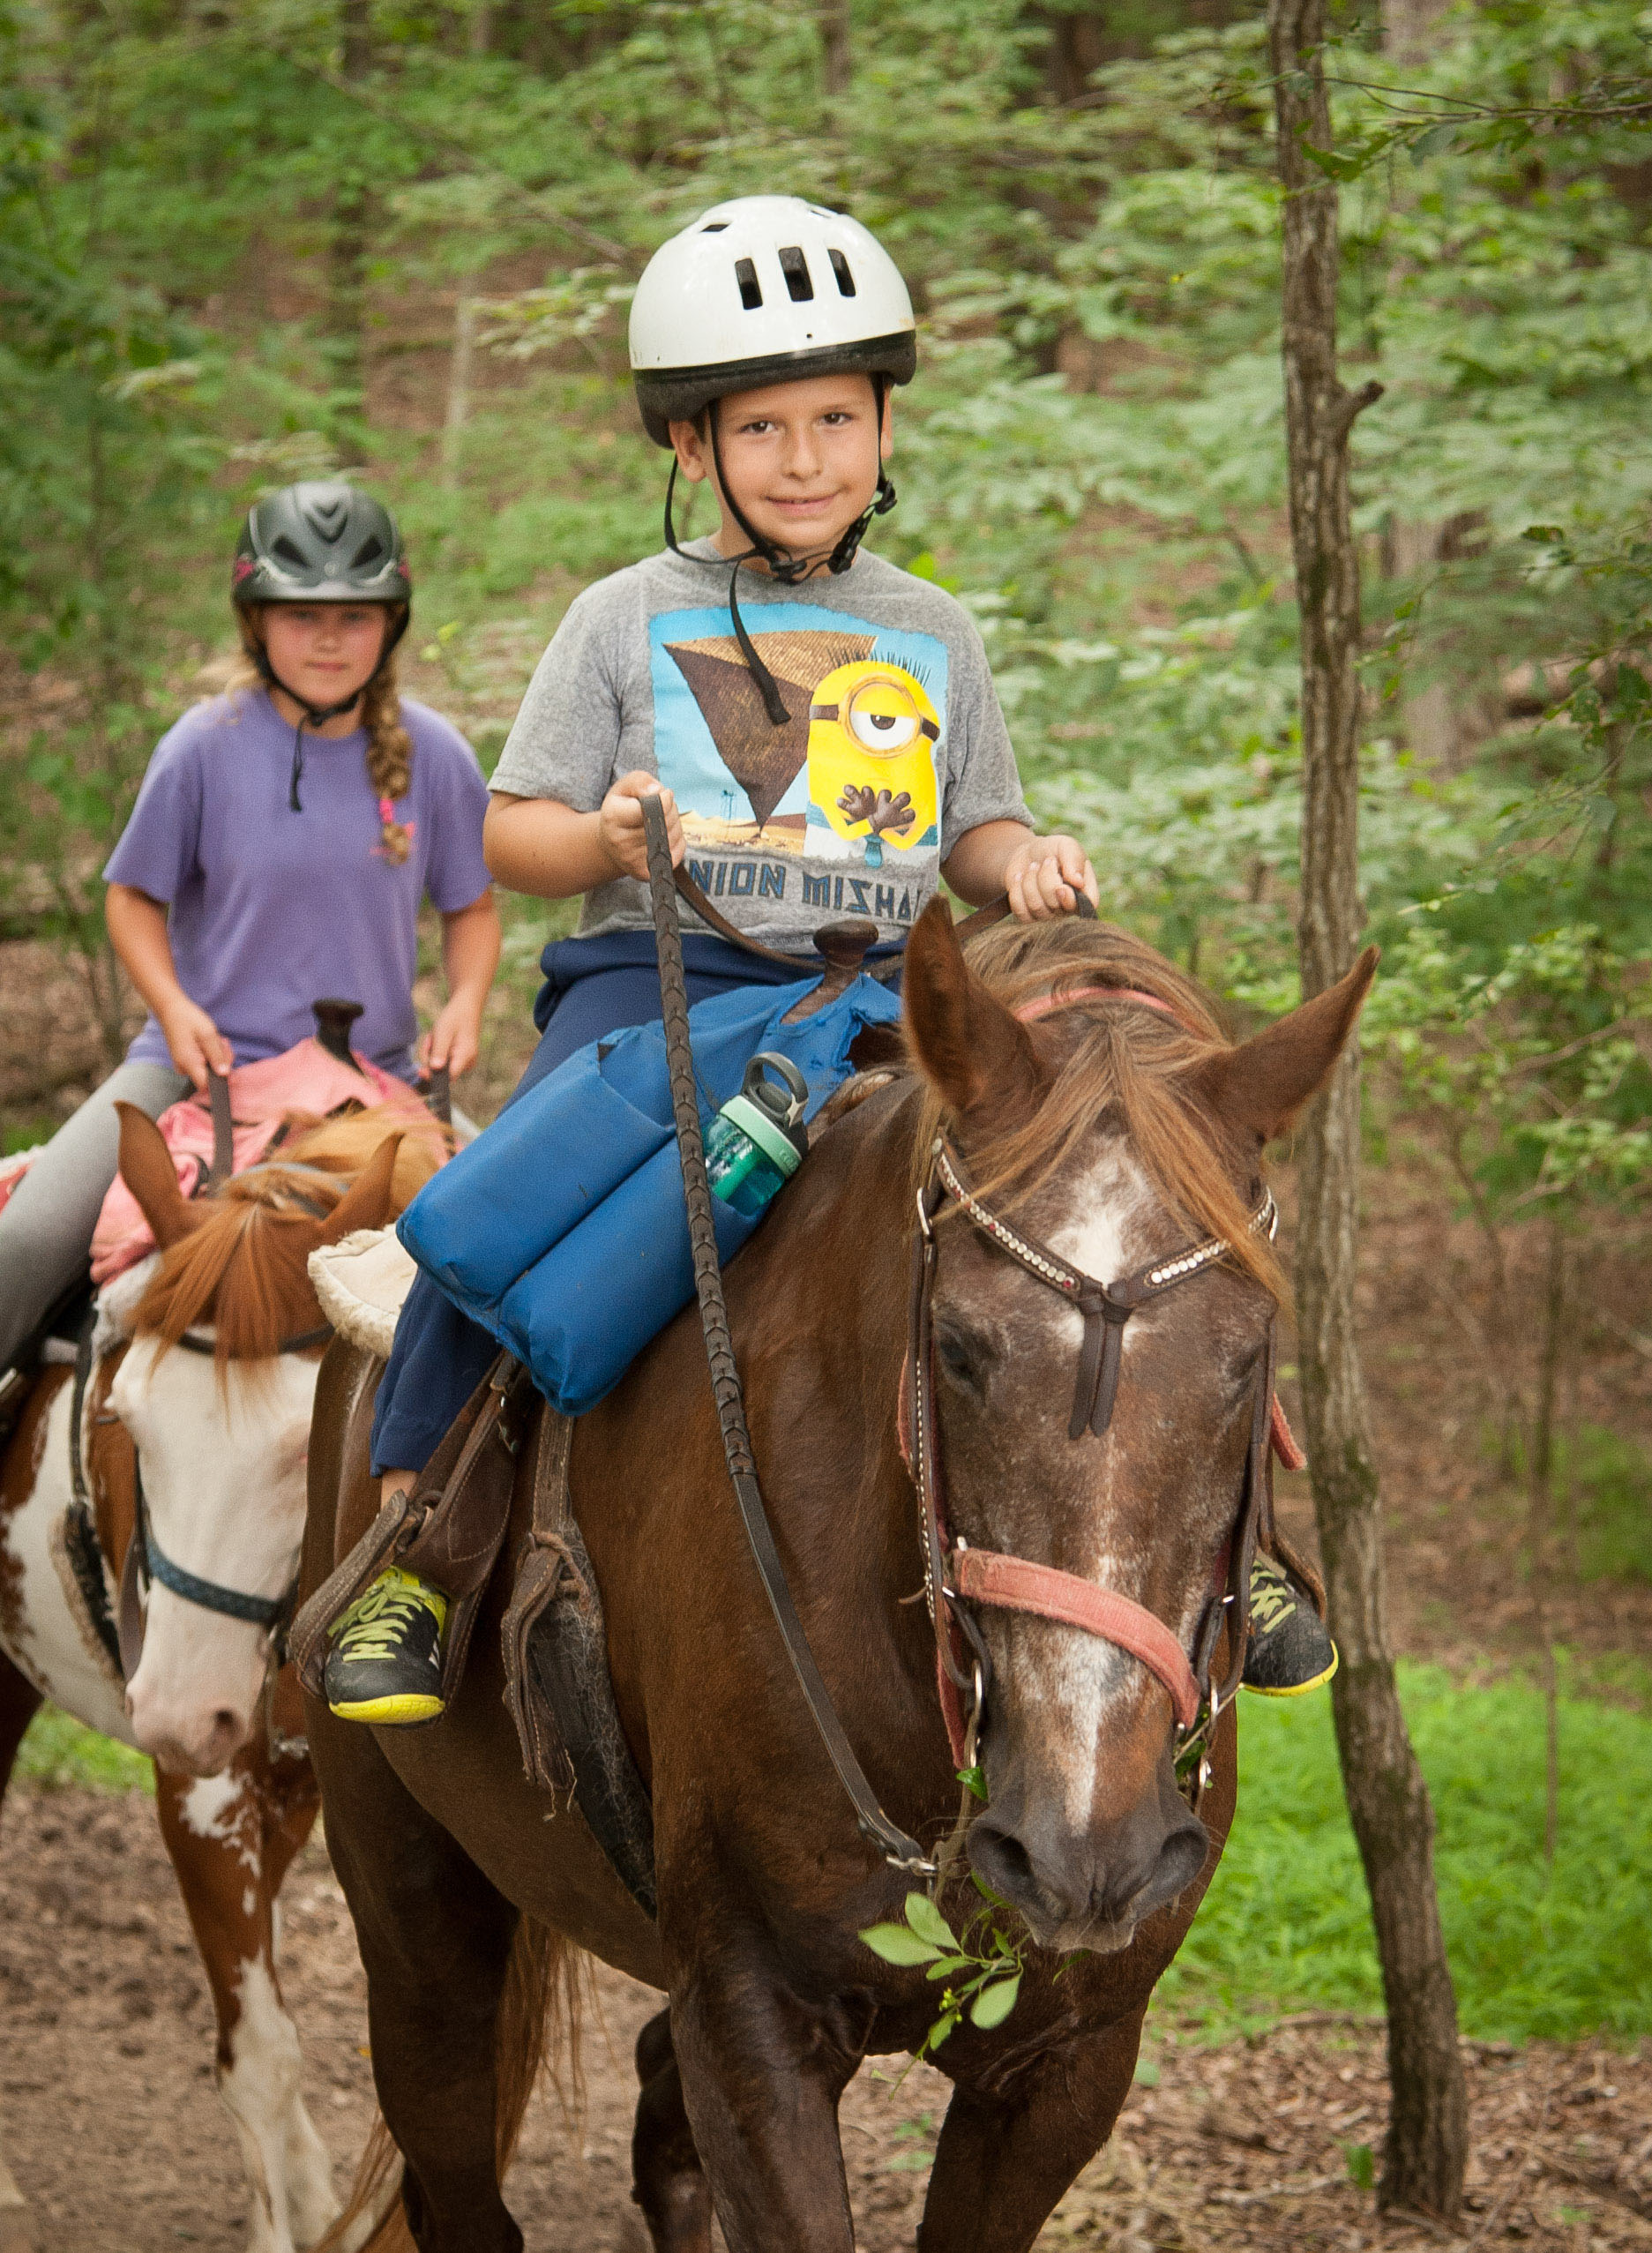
<point x="147" y="1562"/>
<point x="958" y="1577"/>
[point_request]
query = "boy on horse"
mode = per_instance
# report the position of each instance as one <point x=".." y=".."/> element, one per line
<point x="824" y="735"/>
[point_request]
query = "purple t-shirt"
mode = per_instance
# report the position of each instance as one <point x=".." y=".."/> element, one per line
<point x="272" y="910"/>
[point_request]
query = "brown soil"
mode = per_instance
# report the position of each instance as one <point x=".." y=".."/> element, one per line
<point x="111" y="2125"/>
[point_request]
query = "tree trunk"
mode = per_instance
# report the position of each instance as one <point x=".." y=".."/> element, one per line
<point x="1424" y="2153"/>
<point x="1539" y="1520"/>
<point x="1408" y="33"/>
<point x="459" y="375"/>
<point x="1426" y="719"/>
<point x="347" y="308"/>
<point x="837" y="55"/>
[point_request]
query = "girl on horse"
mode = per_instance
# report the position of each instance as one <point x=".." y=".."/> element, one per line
<point x="284" y="836"/>
<point x="824" y="734"/>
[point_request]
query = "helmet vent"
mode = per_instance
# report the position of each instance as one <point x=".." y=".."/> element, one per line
<point x="751" y="288"/>
<point x="795" y="266"/>
<point x="288" y="550"/>
<point x="716" y="227"/>
<point x="370" y="552"/>
<point x="846" y="280"/>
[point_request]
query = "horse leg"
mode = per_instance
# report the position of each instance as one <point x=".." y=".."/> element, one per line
<point x="669" y="2183"/>
<point x="231" y="1837"/>
<point x="434" y="1938"/>
<point x="20" y="1701"/>
<point x="1005" y="2159"/>
<point x="761" y="2078"/>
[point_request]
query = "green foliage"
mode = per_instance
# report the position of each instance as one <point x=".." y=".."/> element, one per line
<point x="1534" y="1952"/>
<point x="981" y="1968"/>
<point x="58" y="1751"/>
<point x="1602" y="1480"/>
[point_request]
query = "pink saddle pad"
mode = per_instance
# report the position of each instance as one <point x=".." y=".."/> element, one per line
<point x="261" y="1095"/>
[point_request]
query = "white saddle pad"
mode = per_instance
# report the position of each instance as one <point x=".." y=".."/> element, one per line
<point x="361" y="1283"/>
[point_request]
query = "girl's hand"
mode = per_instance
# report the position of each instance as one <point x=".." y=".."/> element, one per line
<point x="1045" y="876"/>
<point x="454" y="1039"/>
<point x="619" y="824"/>
<point x="194" y="1043"/>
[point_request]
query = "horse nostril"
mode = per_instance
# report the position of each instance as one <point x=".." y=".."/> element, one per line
<point x="1181" y="1857"/>
<point x="226" y="1723"/>
<point x="999" y="1858"/>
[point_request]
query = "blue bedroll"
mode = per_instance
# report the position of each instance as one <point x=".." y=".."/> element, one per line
<point x="561" y="1228"/>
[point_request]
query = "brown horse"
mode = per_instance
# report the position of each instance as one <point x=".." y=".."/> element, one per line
<point x="222" y="1435"/>
<point x="1113" y="1132"/>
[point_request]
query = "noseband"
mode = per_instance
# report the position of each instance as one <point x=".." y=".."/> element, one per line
<point x="953" y="1580"/>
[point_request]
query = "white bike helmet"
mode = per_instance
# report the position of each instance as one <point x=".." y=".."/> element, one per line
<point x="764" y="290"/>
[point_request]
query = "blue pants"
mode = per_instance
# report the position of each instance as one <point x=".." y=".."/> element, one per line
<point x="592" y="986"/>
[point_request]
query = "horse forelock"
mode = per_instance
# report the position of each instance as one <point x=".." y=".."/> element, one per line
<point x="244" y="1269"/>
<point x="1111" y="1066"/>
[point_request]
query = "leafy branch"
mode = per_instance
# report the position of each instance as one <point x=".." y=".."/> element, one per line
<point x="981" y="1969"/>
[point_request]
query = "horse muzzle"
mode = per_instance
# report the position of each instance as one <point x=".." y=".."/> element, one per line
<point x="187" y="1733"/>
<point x="1092" y="1887"/>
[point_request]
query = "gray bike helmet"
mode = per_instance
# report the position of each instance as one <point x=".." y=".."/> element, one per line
<point x="320" y="543"/>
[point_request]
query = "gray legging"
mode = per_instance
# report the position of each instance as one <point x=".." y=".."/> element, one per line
<point x="46" y="1228"/>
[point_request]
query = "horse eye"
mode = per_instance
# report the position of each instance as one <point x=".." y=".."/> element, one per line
<point x="963" y="1358"/>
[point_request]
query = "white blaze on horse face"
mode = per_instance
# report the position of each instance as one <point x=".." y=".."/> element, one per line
<point x="1106" y="1237"/>
<point x="223" y="1472"/>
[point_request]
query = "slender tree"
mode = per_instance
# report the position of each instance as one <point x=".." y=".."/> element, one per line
<point x="351" y="210"/>
<point x="1426" y="2148"/>
<point x="837" y="53"/>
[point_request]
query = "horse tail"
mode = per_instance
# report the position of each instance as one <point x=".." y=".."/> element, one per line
<point x="538" y="2024"/>
<point x="538" y="2020"/>
<point x="373" y="2220"/>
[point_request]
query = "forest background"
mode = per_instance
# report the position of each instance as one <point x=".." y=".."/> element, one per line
<point x="244" y="243"/>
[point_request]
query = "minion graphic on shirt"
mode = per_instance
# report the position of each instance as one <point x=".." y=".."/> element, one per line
<point x="872" y="733"/>
<point x="835" y="809"/>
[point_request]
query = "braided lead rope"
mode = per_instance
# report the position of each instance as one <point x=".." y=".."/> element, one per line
<point x="899" y="1850"/>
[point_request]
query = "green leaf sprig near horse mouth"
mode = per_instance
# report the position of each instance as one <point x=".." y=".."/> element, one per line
<point x="982" y="1968"/>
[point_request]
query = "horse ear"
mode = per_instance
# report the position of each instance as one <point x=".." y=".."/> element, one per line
<point x="146" y="1168"/>
<point x="366" y="1202"/>
<point x="977" y="1055"/>
<point x="1260" y="1086"/>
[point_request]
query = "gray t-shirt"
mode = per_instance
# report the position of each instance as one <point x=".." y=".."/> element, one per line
<point x="896" y="745"/>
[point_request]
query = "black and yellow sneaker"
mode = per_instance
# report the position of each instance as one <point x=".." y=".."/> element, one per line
<point x="385" y="1663"/>
<point x="1290" y="1650"/>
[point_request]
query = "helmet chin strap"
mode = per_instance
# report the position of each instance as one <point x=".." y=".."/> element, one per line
<point x="784" y="564"/>
<point x="313" y="715"/>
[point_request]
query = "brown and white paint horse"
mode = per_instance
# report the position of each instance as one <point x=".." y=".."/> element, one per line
<point x="222" y="1436"/>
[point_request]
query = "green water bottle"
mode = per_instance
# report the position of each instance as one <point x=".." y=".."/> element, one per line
<point x="757" y="1140"/>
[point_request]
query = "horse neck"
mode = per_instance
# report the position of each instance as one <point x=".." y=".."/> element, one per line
<point x="826" y="1279"/>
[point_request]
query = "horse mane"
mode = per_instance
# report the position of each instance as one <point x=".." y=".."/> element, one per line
<point x="245" y="1268"/>
<point x="1135" y="1065"/>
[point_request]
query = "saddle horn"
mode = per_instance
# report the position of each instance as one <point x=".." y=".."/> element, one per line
<point x="333" y="1020"/>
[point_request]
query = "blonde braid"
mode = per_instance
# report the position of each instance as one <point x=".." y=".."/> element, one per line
<point x="389" y="757"/>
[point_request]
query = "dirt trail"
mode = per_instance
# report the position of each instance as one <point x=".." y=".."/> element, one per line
<point x="112" y="2126"/>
